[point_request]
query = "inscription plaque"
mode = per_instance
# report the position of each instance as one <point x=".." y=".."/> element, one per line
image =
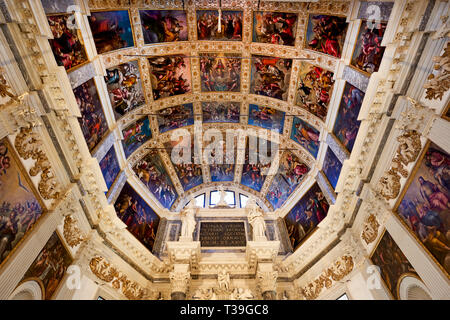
<point x="222" y="234"/>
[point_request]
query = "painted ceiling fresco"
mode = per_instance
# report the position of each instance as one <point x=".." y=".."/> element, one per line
<point x="270" y="67"/>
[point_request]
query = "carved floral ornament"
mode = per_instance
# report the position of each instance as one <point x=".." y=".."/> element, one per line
<point x="438" y="83"/>
<point x="337" y="272"/>
<point x="370" y="229"/>
<point x="71" y="232"/>
<point x="5" y="89"/>
<point x="119" y="281"/>
<point x="179" y="281"/>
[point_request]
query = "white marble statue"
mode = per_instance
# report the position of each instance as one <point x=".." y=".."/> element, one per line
<point x="223" y="278"/>
<point x="188" y="221"/>
<point x="256" y="220"/>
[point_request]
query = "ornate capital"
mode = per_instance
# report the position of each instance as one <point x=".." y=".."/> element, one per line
<point x="267" y="280"/>
<point x="179" y="281"/>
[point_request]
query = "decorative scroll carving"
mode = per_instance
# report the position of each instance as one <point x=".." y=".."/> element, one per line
<point x="437" y="84"/>
<point x="119" y="281"/>
<point x="71" y="232"/>
<point x="337" y="272"/>
<point x="29" y="145"/>
<point x="370" y="229"/>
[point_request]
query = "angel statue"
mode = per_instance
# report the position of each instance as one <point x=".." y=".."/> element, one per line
<point x="188" y="221"/>
<point x="256" y="220"/>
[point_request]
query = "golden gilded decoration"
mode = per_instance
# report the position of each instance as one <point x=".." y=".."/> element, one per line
<point x="119" y="281"/>
<point x="5" y="88"/>
<point x="438" y="83"/>
<point x="71" y="232"/>
<point x="337" y="272"/>
<point x="370" y="229"/>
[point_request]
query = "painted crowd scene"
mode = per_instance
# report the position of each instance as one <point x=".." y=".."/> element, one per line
<point x="163" y="25"/>
<point x="139" y="217"/>
<point x="290" y="174"/>
<point x="315" y="86"/>
<point x="265" y="117"/>
<point x="332" y="167"/>
<point x="110" y="167"/>
<point x="305" y="135"/>
<point x="258" y="159"/>
<point x="135" y="135"/>
<point x="175" y="117"/>
<point x="153" y="174"/>
<point x="222" y="167"/>
<point x="93" y="121"/>
<point x="275" y="27"/>
<point x="170" y="76"/>
<point x="270" y="76"/>
<point x="304" y="217"/>
<point x="111" y="30"/>
<point x="425" y="206"/>
<point x="221" y="112"/>
<point x="220" y="72"/>
<point x="67" y="44"/>
<point x="208" y="25"/>
<point x="125" y="88"/>
<point x="326" y="34"/>
<point x="19" y="207"/>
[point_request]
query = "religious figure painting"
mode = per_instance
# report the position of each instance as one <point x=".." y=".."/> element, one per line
<point x="175" y="117"/>
<point x="188" y="168"/>
<point x="220" y="72"/>
<point x="368" y="51"/>
<point x="393" y="264"/>
<point x="305" y="135"/>
<point x="347" y="125"/>
<point x="425" y="205"/>
<point x="111" y="30"/>
<point x="153" y="174"/>
<point x="326" y="34"/>
<point x="265" y="117"/>
<point x="304" y="217"/>
<point x="332" y="167"/>
<point x="124" y="86"/>
<point x="290" y="174"/>
<point x="259" y="154"/>
<point x="20" y="209"/>
<point x="163" y="25"/>
<point x="170" y="76"/>
<point x="270" y="76"/>
<point x="93" y="121"/>
<point x="136" y="135"/>
<point x="274" y="27"/>
<point x="222" y="165"/>
<point x="230" y="25"/>
<point x="315" y="86"/>
<point x="110" y="167"/>
<point x="139" y="217"/>
<point x="67" y="44"/>
<point x="50" y="266"/>
<point x="221" y="112"/>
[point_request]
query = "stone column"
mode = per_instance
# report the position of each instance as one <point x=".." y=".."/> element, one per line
<point x="180" y="279"/>
<point x="266" y="279"/>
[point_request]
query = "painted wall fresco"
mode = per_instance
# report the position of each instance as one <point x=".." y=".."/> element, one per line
<point x="274" y="27"/>
<point x="136" y="135"/>
<point x="222" y="166"/>
<point x="425" y="205"/>
<point x="190" y="171"/>
<point x="19" y="206"/>
<point x="368" y="51"/>
<point x="347" y="125"/>
<point x="270" y="76"/>
<point x="170" y="76"/>
<point x="152" y="172"/>
<point x="220" y="72"/>
<point x="305" y="135"/>
<point x="265" y="117"/>
<point x="124" y="86"/>
<point x="332" y="167"/>
<point x="315" y="86"/>
<point x="111" y="30"/>
<point x="326" y="34"/>
<point x="139" y="217"/>
<point x="93" y="121"/>
<point x="393" y="264"/>
<point x="110" y="167"/>
<point x="208" y="25"/>
<point x="175" y="117"/>
<point x="221" y="112"/>
<point x="304" y="217"/>
<point x="290" y="174"/>
<point x="50" y="265"/>
<point x="67" y="44"/>
<point x="255" y="168"/>
<point x="163" y="25"/>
